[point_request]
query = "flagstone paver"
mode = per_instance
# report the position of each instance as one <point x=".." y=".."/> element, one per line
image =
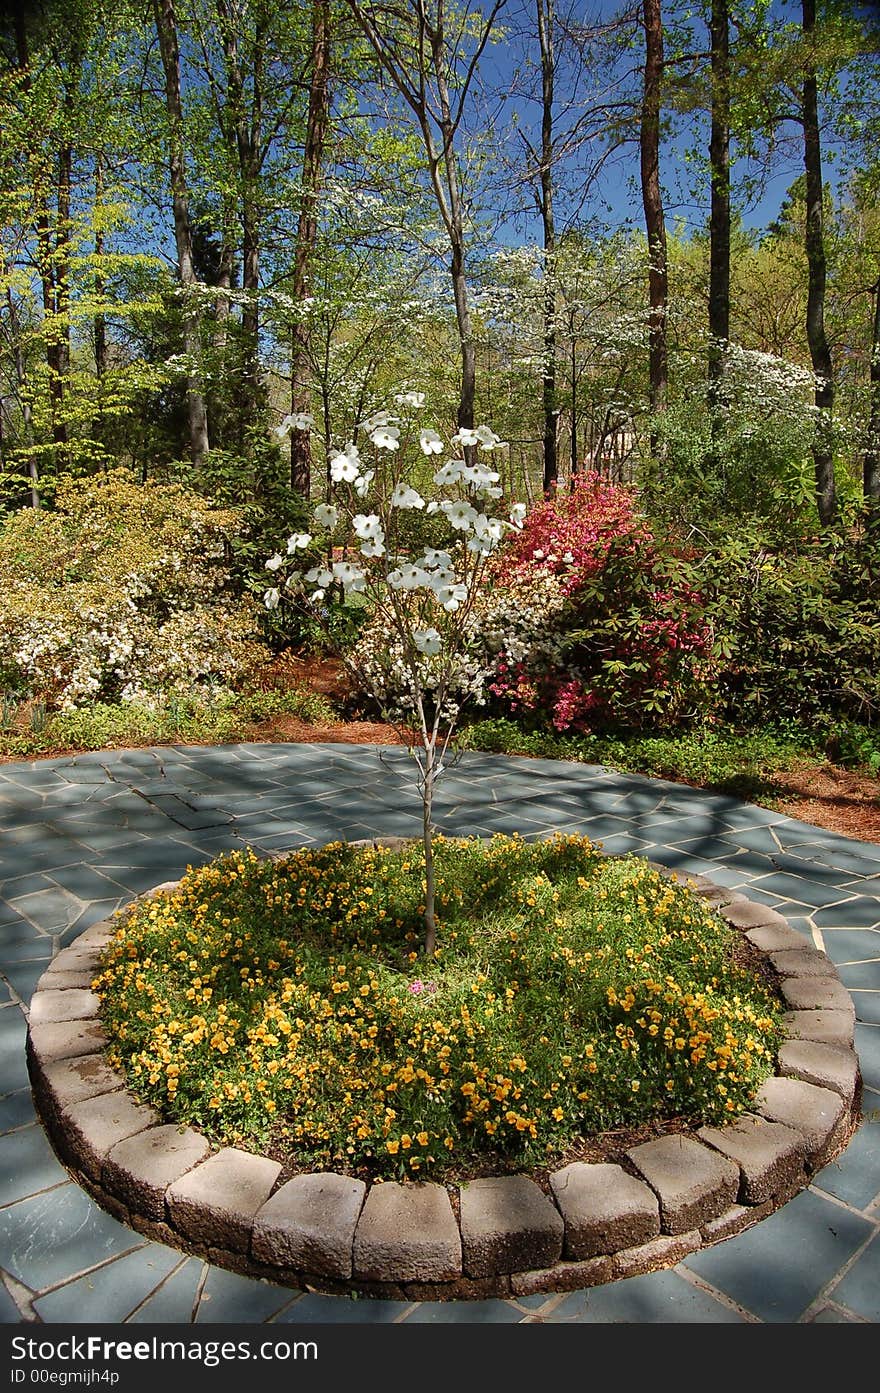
<point x="81" y="835"/>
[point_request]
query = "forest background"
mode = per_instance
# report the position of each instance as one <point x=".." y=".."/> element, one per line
<point x="639" y="241"/>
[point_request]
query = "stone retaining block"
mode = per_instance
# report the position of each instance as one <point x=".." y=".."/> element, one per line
<point x="825" y="1027"/>
<point x="407" y="1233"/>
<point x="70" y="1004"/>
<point x="309" y="1224"/>
<point x="507" y="1225"/>
<point x="827" y="1066"/>
<point x="93" y="1127"/>
<point x="770" y="1156"/>
<point x="53" y="1040"/>
<point x="817" y="994"/>
<point x="664" y="1251"/>
<point x="748" y="914"/>
<point x="216" y="1203"/>
<point x="773" y="938"/>
<point x="140" y="1169"/>
<point x="817" y="1113"/>
<point x="74" y="1080"/>
<point x="803" y="962"/>
<point x="692" y="1182"/>
<point x="60" y="981"/>
<point x="604" y="1209"/>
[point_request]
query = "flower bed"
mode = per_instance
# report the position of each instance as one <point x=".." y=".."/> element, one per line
<point x="497" y="1234"/>
<point x="282" y="1004"/>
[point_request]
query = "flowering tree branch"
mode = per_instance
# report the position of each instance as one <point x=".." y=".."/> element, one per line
<point x="426" y="663"/>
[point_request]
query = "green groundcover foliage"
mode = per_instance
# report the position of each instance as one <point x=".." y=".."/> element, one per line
<point x="283" y="1004"/>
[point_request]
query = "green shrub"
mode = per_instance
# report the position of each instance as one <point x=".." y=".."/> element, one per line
<point x="593" y="619"/>
<point x="312" y="707"/>
<point x="256" y="485"/>
<point x="121" y="593"/>
<point x="798" y="627"/>
<point x="854" y="746"/>
<point x="742" y="763"/>
<point x="178" y="717"/>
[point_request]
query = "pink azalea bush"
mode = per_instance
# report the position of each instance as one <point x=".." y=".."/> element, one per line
<point x="596" y="622"/>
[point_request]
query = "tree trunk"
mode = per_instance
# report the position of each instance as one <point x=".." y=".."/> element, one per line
<point x="467" y="396"/>
<point x="306" y="241"/>
<point x="652" y="202"/>
<point x="166" y="29"/>
<point x="24" y="398"/>
<point x="248" y="132"/>
<point x="430" y="918"/>
<point x="719" y="217"/>
<point x="99" y="338"/>
<point x="47" y="268"/>
<point x="546" y="19"/>
<point x="455" y="229"/>
<point x="575" y="461"/>
<point x="871" y="459"/>
<point x="62" y="295"/>
<point x="820" y="354"/>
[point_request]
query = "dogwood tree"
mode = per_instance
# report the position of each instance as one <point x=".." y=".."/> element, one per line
<point x="424" y="660"/>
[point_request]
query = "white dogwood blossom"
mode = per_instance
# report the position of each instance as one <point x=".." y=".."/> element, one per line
<point x="350" y="577"/>
<point x="427" y="641"/>
<point x="408" y="577"/>
<point x="366" y="525"/>
<point x="298" y="542"/>
<point x="361" y="484"/>
<point x="404" y="497"/>
<point x="319" y="575"/>
<point x="430" y="442"/>
<point x="326" y="515"/>
<point x="459" y="514"/>
<point x="297" y="420"/>
<point x="344" y="465"/>
<point x="386" y="437"/>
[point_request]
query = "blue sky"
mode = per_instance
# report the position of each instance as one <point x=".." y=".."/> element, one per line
<point x="617" y="196"/>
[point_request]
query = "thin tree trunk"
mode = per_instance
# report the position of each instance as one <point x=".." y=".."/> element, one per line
<point x="306" y="241"/>
<point x="871" y="459"/>
<point x="166" y="29"/>
<point x="575" y="461"/>
<point x="24" y="399"/>
<point x="820" y="353"/>
<point x="62" y="284"/>
<point x="455" y="228"/>
<point x="99" y="339"/>
<point x="546" y="18"/>
<point x="427" y="842"/>
<point x="719" y="217"/>
<point x="652" y="202"/>
<point x="248" y="131"/>
<point x="224" y="285"/>
<point x="47" y="269"/>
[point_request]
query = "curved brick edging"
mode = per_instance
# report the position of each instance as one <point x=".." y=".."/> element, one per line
<point x="492" y="1237"/>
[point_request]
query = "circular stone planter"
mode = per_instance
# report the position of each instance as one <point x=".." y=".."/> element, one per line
<point x="493" y="1237"/>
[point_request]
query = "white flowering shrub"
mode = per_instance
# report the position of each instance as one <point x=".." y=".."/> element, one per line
<point x="420" y="656"/>
<point x="121" y="593"/>
<point x="754" y="459"/>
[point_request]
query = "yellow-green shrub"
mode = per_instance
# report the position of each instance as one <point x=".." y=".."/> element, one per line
<point x="120" y="593"/>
